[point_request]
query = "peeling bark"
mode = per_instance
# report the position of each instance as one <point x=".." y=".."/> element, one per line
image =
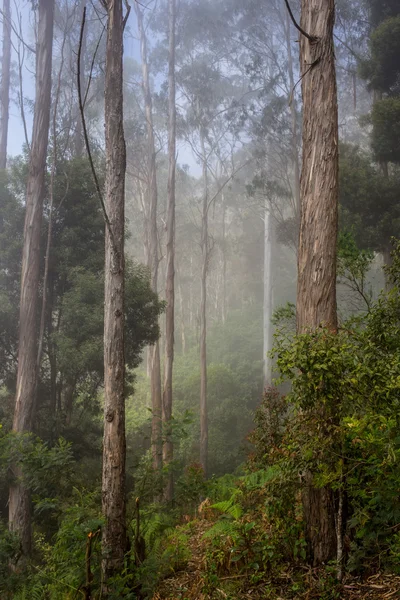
<point x="316" y="289"/>
<point x="114" y="444"/>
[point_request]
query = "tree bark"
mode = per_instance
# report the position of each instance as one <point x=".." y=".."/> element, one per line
<point x="27" y="374"/>
<point x="316" y="289"/>
<point x="114" y="444"/>
<point x="5" y="83"/>
<point x="203" y="313"/>
<point x="170" y="269"/>
<point x="156" y="392"/>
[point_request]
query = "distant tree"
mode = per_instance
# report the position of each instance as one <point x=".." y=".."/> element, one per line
<point x="382" y="71"/>
<point x="5" y="83"/>
<point x="368" y="199"/>
<point x="152" y="239"/>
<point x="170" y="258"/>
<point x="27" y="375"/>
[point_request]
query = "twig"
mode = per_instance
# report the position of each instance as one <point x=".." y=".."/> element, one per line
<point x="311" y="38"/>
<point x="92" y="66"/>
<point x="19" y="36"/>
<point x="128" y="10"/>
<point x="231" y="176"/>
<point x="313" y="64"/>
<point x="85" y="135"/>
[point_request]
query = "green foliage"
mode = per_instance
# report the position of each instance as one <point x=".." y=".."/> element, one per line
<point x="385" y="118"/>
<point x="190" y="488"/>
<point x="80" y="341"/>
<point x="42" y="465"/>
<point x="369" y="209"/>
<point x="382" y="70"/>
<point x="351" y="381"/>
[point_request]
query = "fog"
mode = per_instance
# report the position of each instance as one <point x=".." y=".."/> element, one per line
<point x="182" y="190"/>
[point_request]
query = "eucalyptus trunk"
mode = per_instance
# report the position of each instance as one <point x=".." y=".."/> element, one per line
<point x="27" y="374"/>
<point x="267" y="309"/>
<point x="114" y="537"/>
<point x="203" y="316"/>
<point x="293" y="115"/>
<point x="5" y="83"/>
<point x="316" y="290"/>
<point x="156" y="392"/>
<point x="224" y="265"/>
<point x="170" y="269"/>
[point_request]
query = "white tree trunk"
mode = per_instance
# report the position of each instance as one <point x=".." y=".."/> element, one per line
<point x="267" y="312"/>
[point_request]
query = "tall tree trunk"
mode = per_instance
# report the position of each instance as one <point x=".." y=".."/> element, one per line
<point x="203" y="313"/>
<point x="223" y="313"/>
<point x="27" y="375"/>
<point x="114" y="444"/>
<point x="316" y="290"/>
<point x="183" y="324"/>
<point x="293" y="114"/>
<point x="5" y="83"/>
<point x="156" y="393"/>
<point x="51" y="204"/>
<point x="267" y="309"/>
<point x="170" y="270"/>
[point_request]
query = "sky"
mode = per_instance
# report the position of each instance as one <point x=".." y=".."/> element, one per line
<point x="16" y="132"/>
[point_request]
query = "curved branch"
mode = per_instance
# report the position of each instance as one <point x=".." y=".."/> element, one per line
<point x="312" y="38"/>
<point x="85" y="134"/>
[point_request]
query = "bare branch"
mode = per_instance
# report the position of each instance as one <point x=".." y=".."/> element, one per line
<point x="311" y="38"/>
<point x="85" y="134"/>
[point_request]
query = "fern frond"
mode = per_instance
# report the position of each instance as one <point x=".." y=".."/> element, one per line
<point x="223" y="527"/>
<point x="229" y="507"/>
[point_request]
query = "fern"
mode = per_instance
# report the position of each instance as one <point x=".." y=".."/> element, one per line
<point x="229" y="507"/>
<point x="223" y="527"/>
<point x="260" y="478"/>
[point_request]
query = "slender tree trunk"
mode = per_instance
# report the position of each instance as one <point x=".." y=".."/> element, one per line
<point x="5" y="83"/>
<point x="387" y="262"/>
<point x="156" y="393"/>
<point x="267" y="312"/>
<point x="170" y="271"/>
<point x="293" y="114"/>
<point x="203" y="313"/>
<point x="27" y="375"/>
<point x="114" y="444"/>
<point x="51" y="204"/>
<point x="223" y="315"/>
<point x="51" y="349"/>
<point x="68" y="393"/>
<point x="183" y="325"/>
<point x="316" y="290"/>
<point x="191" y="308"/>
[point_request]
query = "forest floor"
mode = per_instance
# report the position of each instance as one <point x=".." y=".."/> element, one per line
<point x="193" y="582"/>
